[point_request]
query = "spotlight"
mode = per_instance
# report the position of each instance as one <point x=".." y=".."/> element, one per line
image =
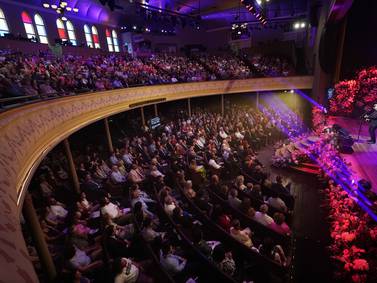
<point x="64" y="19"/>
<point x="46" y="5"/>
<point x="53" y="6"/>
<point x="302" y="25"/>
<point x="76" y="10"/>
<point x="291" y="91"/>
<point x="296" y="26"/>
<point x="134" y="27"/>
<point x="69" y="9"/>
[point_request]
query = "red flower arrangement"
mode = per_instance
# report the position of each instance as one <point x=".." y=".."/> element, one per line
<point x="352" y="95"/>
<point x="319" y="120"/>
<point x="343" y="101"/>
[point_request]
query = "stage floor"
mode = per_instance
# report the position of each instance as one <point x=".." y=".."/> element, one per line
<point x="364" y="158"/>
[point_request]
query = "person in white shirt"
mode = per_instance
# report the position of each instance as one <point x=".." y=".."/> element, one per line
<point x="169" y="205"/>
<point x="222" y="133"/>
<point x="82" y="261"/>
<point x="172" y="263"/>
<point x="113" y="211"/>
<point x="116" y="176"/>
<point x="126" y="271"/>
<point x="56" y="211"/>
<point x="239" y="135"/>
<point x="212" y="162"/>
<point x="262" y="217"/>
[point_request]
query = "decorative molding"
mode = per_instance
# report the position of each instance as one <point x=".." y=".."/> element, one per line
<point x="29" y="132"/>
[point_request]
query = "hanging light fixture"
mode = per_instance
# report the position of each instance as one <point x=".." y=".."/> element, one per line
<point x="61" y="8"/>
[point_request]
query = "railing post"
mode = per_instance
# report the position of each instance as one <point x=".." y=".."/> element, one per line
<point x="222" y="105"/>
<point x="108" y="135"/>
<point x="72" y="167"/>
<point x="142" y="115"/>
<point x="189" y="106"/>
<point x="32" y="221"/>
<point x="155" y="110"/>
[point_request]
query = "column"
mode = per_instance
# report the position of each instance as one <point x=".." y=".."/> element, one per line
<point x="72" y="167"/>
<point x="340" y="48"/>
<point x="155" y="110"/>
<point x="108" y="135"/>
<point x="32" y="221"/>
<point x="189" y="106"/>
<point x="142" y="115"/>
<point x="222" y="105"/>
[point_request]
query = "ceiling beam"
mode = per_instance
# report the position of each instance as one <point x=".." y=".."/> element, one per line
<point x="222" y="6"/>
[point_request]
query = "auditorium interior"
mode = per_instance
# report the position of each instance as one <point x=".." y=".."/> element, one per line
<point x="188" y="141"/>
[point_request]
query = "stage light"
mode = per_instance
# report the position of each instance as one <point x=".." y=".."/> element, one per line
<point x="296" y="25"/>
<point x="291" y="91"/>
<point x="69" y="9"/>
<point x="259" y="2"/>
<point x="46" y="5"/>
<point x="53" y="6"/>
<point x="134" y="27"/>
<point x="64" y="19"/>
<point x="238" y="32"/>
<point x="75" y="10"/>
<point x="302" y="25"/>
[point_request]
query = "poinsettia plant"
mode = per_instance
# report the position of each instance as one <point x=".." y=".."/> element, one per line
<point x="354" y="95"/>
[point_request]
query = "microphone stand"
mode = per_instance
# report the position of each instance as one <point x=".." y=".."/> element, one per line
<point x="361" y="124"/>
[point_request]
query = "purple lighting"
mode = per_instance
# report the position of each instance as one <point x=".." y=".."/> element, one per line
<point x="321" y="153"/>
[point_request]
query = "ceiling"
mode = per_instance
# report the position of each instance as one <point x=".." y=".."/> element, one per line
<point x="212" y="12"/>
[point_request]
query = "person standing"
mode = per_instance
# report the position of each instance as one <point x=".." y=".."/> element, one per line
<point x="372" y="119"/>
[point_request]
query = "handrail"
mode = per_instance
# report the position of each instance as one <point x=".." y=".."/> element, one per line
<point x="30" y="131"/>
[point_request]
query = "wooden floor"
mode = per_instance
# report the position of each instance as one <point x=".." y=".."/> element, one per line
<point x="364" y="158"/>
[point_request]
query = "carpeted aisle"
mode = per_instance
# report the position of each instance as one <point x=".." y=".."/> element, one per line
<point x="311" y="262"/>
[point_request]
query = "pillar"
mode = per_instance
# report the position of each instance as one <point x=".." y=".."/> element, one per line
<point x="32" y="221"/>
<point x="142" y="115"/>
<point x="189" y="106"/>
<point x="108" y="135"/>
<point x="72" y="167"/>
<point x="155" y="110"/>
<point x="222" y="105"/>
<point x="340" y="48"/>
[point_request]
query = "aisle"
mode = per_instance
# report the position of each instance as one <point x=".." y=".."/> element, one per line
<point x="311" y="261"/>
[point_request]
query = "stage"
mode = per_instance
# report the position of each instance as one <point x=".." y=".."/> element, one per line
<point x="364" y="158"/>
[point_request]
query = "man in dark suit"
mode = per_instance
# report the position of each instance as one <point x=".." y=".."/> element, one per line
<point x="372" y="119"/>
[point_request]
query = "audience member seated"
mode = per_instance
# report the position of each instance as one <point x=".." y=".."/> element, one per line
<point x="279" y="224"/>
<point x="243" y="236"/>
<point x="262" y="217"/>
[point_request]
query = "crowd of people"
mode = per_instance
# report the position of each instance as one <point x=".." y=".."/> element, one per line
<point x="46" y="75"/>
<point x="188" y="161"/>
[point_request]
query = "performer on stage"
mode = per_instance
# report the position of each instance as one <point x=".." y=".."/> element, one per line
<point x="372" y="119"/>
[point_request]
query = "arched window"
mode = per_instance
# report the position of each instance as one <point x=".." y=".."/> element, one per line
<point x="28" y="23"/>
<point x="61" y="29"/>
<point x="66" y="31"/>
<point x="109" y="41"/>
<point x="115" y="40"/>
<point x="40" y="29"/>
<point x="95" y="37"/>
<point x="71" y="33"/>
<point x="112" y="40"/>
<point x="88" y="36"/>
<point x="3" y="24"/>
